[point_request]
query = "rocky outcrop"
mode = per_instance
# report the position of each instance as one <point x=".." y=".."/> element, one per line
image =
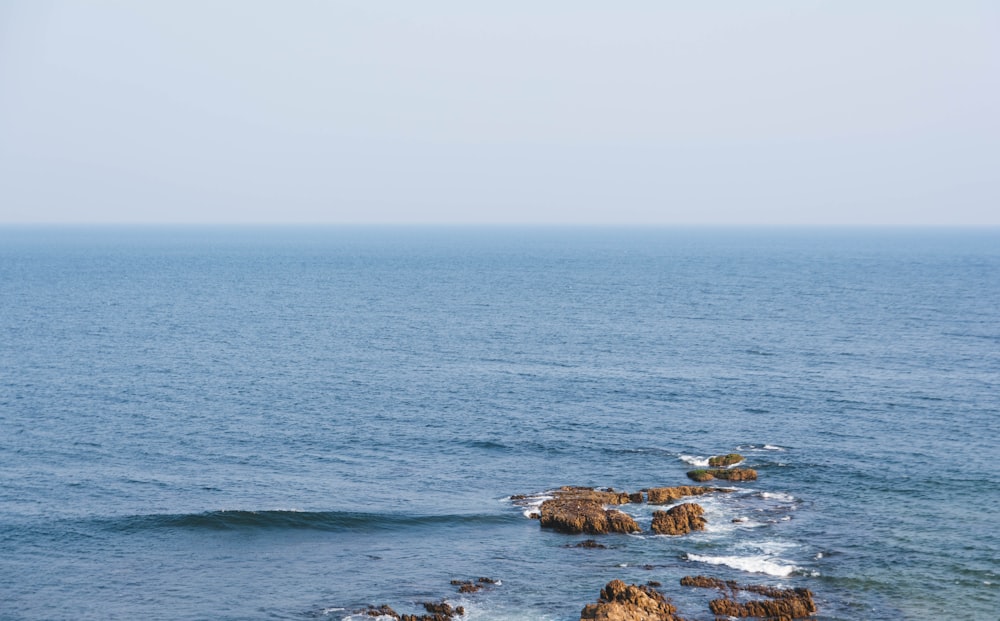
<point x="439" y="611"/>
<point x="679" y="520"/>
<point x="705" y="582"/>
<point x="577" y="510"/>
<point x="784" y="605"/>
<point x="731" y="474"/>
<point x="663" y="495"/>
<point x="787" y="604"/>
<point x="622" y="602"/>
<point x="723" y="461"/>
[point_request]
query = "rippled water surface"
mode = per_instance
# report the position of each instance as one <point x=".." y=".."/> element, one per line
<point x="298" y="423"/>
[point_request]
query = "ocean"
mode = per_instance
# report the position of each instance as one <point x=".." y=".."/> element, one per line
<point x="301" y="422"/>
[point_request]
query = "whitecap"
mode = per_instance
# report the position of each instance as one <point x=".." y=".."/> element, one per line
<point x="783" y="497"/>
<point x="695" y="461"/>
<point x="771" y="447"/>
<point x="760" y="564"/>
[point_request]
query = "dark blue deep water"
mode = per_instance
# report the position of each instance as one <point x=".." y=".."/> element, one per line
<point x="201" y="423"/>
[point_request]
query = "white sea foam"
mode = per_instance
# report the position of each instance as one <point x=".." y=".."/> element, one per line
<point x="760" y="564"/>
<point x="701" y="462"/>
<point x="783" y="497"/>
<point x="771" y="447"/>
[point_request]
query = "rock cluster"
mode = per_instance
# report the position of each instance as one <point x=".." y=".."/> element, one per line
<point x="783" y="605"/>
<point x="440" y="611"/>
<point x="468" y="586"/>
<point x="436" y="611"/>
<point x="730" y="474"/>
<point x="622" y="602"/>
<point x="679" y="520"/>
<point x="576" y="510"/>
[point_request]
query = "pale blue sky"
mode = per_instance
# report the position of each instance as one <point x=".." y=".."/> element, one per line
<point x="577" y="112"/>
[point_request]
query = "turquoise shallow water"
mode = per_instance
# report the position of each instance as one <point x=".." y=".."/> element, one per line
<point x="296" y="423"/>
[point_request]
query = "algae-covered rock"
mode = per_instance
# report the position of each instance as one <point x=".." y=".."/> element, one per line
<point x="700" y="475"/>
<point x="722" y="461"/>
<point x="730" y="474"/>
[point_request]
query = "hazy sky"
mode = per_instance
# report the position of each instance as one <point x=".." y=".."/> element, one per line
<point x="724" y="112"/>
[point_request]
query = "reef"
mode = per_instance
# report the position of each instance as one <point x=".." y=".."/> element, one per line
<point x="732" y="474"/>
<point x="679" y="520"/>
<point x="621" y="602"/>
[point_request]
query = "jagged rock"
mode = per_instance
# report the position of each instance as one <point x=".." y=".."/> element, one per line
<point x="679" y="520"/>
<point x="721" y="461"/>
<point x="382" y="611"/>
<point x="732" y="474"/>
<point x="788" y="604"/>
<point x="581" y="510"/>
<point x="705" y="582"/>
<point x="621" y="602"/>
<point x="663" y="495"/>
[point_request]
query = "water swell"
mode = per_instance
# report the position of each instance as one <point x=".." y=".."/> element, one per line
<point x="332" y="521"/>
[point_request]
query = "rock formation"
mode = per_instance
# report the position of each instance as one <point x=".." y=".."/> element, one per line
<point x="790" y="604"/>
<point x="679" y="520"/>
<point x="732" y="474"/>
<point x="784" y="605"/>
<point x="663" y="495"/>
<point x="581" y="510"/>
<point x="621" y="602"/>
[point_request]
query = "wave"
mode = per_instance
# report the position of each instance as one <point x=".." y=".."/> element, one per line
<point x="336" y="521"/>
<point x="759" y="564"/>
<point x="701" y="462"/>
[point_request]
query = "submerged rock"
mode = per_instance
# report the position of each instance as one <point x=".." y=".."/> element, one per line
<point x="679" y="520"/>
<point x="589" y="544"/>
<point x="621" y="602"/>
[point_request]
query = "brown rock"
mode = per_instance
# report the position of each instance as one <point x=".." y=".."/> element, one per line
<point x="679" y="520"/>
<point x="621" y="602"/>
<point x="590" y="544"/>
<point x="705" y="582"/>
<point x="663" y="495"/>
<point x="581" y="510"/>
<point x="790" y="604"/>
<point x="730" y="474"/>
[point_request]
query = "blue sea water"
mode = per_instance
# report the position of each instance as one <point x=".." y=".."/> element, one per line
<point x="296" y="423"/>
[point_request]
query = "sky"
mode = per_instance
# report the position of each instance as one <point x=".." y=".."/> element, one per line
<point x="658" y="112"/>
